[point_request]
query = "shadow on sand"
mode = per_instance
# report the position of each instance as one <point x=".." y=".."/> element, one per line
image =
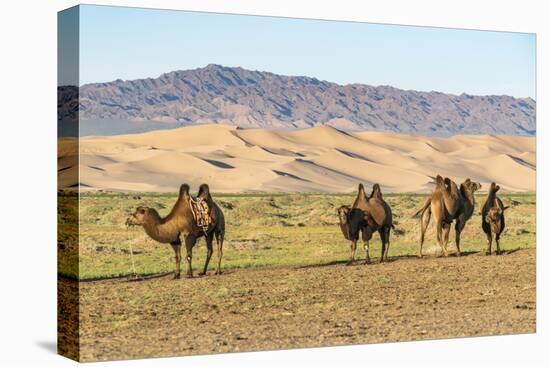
<point x="376" y="260"/>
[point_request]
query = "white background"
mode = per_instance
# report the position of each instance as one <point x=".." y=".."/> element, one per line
<point x="28" y="181"/>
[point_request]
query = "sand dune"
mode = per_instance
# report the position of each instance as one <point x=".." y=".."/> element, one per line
<point x="321" y="158"/>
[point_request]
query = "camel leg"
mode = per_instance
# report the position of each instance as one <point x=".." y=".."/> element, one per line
<point x="189" y="243"/>
<point x="367" y="235"/>
<point x="219" y="245"/>
<point x="439" y="229"/>
<point x="497" y="240"/>
<point x="176" y="246"/>
<point x="353" y="248"/>
<point x="459" y="226"/>
<point x="446" y="231"/>
<point x="383" y="240"/>
<point x="209" y="240"/>
<point x="489" y="243"/>
<point x="425" y="221"/>
<point x="387" y="229"/>
<point x="367" y="255"/>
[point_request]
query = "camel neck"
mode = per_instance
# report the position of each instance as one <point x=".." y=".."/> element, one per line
<point x="468" y="195"/>
<point x="158" y="228"/>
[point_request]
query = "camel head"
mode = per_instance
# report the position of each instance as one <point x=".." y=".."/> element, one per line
<point x="343" y="217"/>
<point x="471" y="186"/>
<point x="138" y="217"/>
<point x="343" y="213"/>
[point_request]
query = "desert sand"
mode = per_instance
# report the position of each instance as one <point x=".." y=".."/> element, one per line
<point x="317" y="159"/>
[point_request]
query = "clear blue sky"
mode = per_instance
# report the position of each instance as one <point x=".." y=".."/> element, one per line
<point x="131" y="43"/>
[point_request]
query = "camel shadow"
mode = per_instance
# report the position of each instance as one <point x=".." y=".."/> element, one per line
<point x="511" y="251"/>
<point x="170" y="274"/>
<point x="330" y="263"/>
<point x="391" y="259"/>
<point x="433" y="256"/>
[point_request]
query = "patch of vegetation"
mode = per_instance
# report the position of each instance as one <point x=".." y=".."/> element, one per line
<point x="263" y="229"/>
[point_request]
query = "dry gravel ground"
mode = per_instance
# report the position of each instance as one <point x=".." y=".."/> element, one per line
<point x="273" y="308"/>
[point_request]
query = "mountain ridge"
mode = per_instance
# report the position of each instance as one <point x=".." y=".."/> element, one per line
<point x="259" y="99"/>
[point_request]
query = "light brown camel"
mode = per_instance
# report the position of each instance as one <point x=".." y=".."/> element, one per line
<point x="467" y="191"/>
<point x="462" y="215"/>
<point x="377" y="216"/>
<point x="178" y="227"/>
<point x="445" y="203"/>
<point x="492" y="218"/>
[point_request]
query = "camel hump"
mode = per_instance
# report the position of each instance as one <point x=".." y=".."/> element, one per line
<point x="204" y="191"/>
<point x="439" y="181"/>
<point x="448" y="183"/>
<point x="184" y="190"/>
<point x="451" y="186"/>
<point x="376" y="191"/>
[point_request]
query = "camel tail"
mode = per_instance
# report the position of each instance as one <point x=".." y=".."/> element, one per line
<point x="423" y="209"/>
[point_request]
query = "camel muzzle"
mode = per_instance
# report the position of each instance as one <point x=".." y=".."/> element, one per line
<point x="130" y="221"/>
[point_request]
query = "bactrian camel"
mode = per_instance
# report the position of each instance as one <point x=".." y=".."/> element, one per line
<point x="447" y="203"/>
<point x="377" y="216"/>
<point x="180" y="226"/>
<point x="492" y="218"/>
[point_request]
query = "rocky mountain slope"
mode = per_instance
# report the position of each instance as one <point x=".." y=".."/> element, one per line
<point x="255" y="99"/>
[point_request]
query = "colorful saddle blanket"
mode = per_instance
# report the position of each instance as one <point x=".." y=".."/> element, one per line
<point x="201" y="213"/>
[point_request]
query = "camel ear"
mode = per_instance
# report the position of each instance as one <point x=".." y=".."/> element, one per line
<point x="361" y="189"/>
<point x="468" y="181"/>
<point x="506" y="207"/>
<point x="439" y="180"/>
<point x="497" y="187"/>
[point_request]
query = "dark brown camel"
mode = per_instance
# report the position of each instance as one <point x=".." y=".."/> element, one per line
<point x="444" y="203"/>
<point x="216" y="227"/>
<point x="492" y="218"/>
<point x="377" y="216"/>
<point x="178" y="227"/>
<point x="351" y="223"/>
